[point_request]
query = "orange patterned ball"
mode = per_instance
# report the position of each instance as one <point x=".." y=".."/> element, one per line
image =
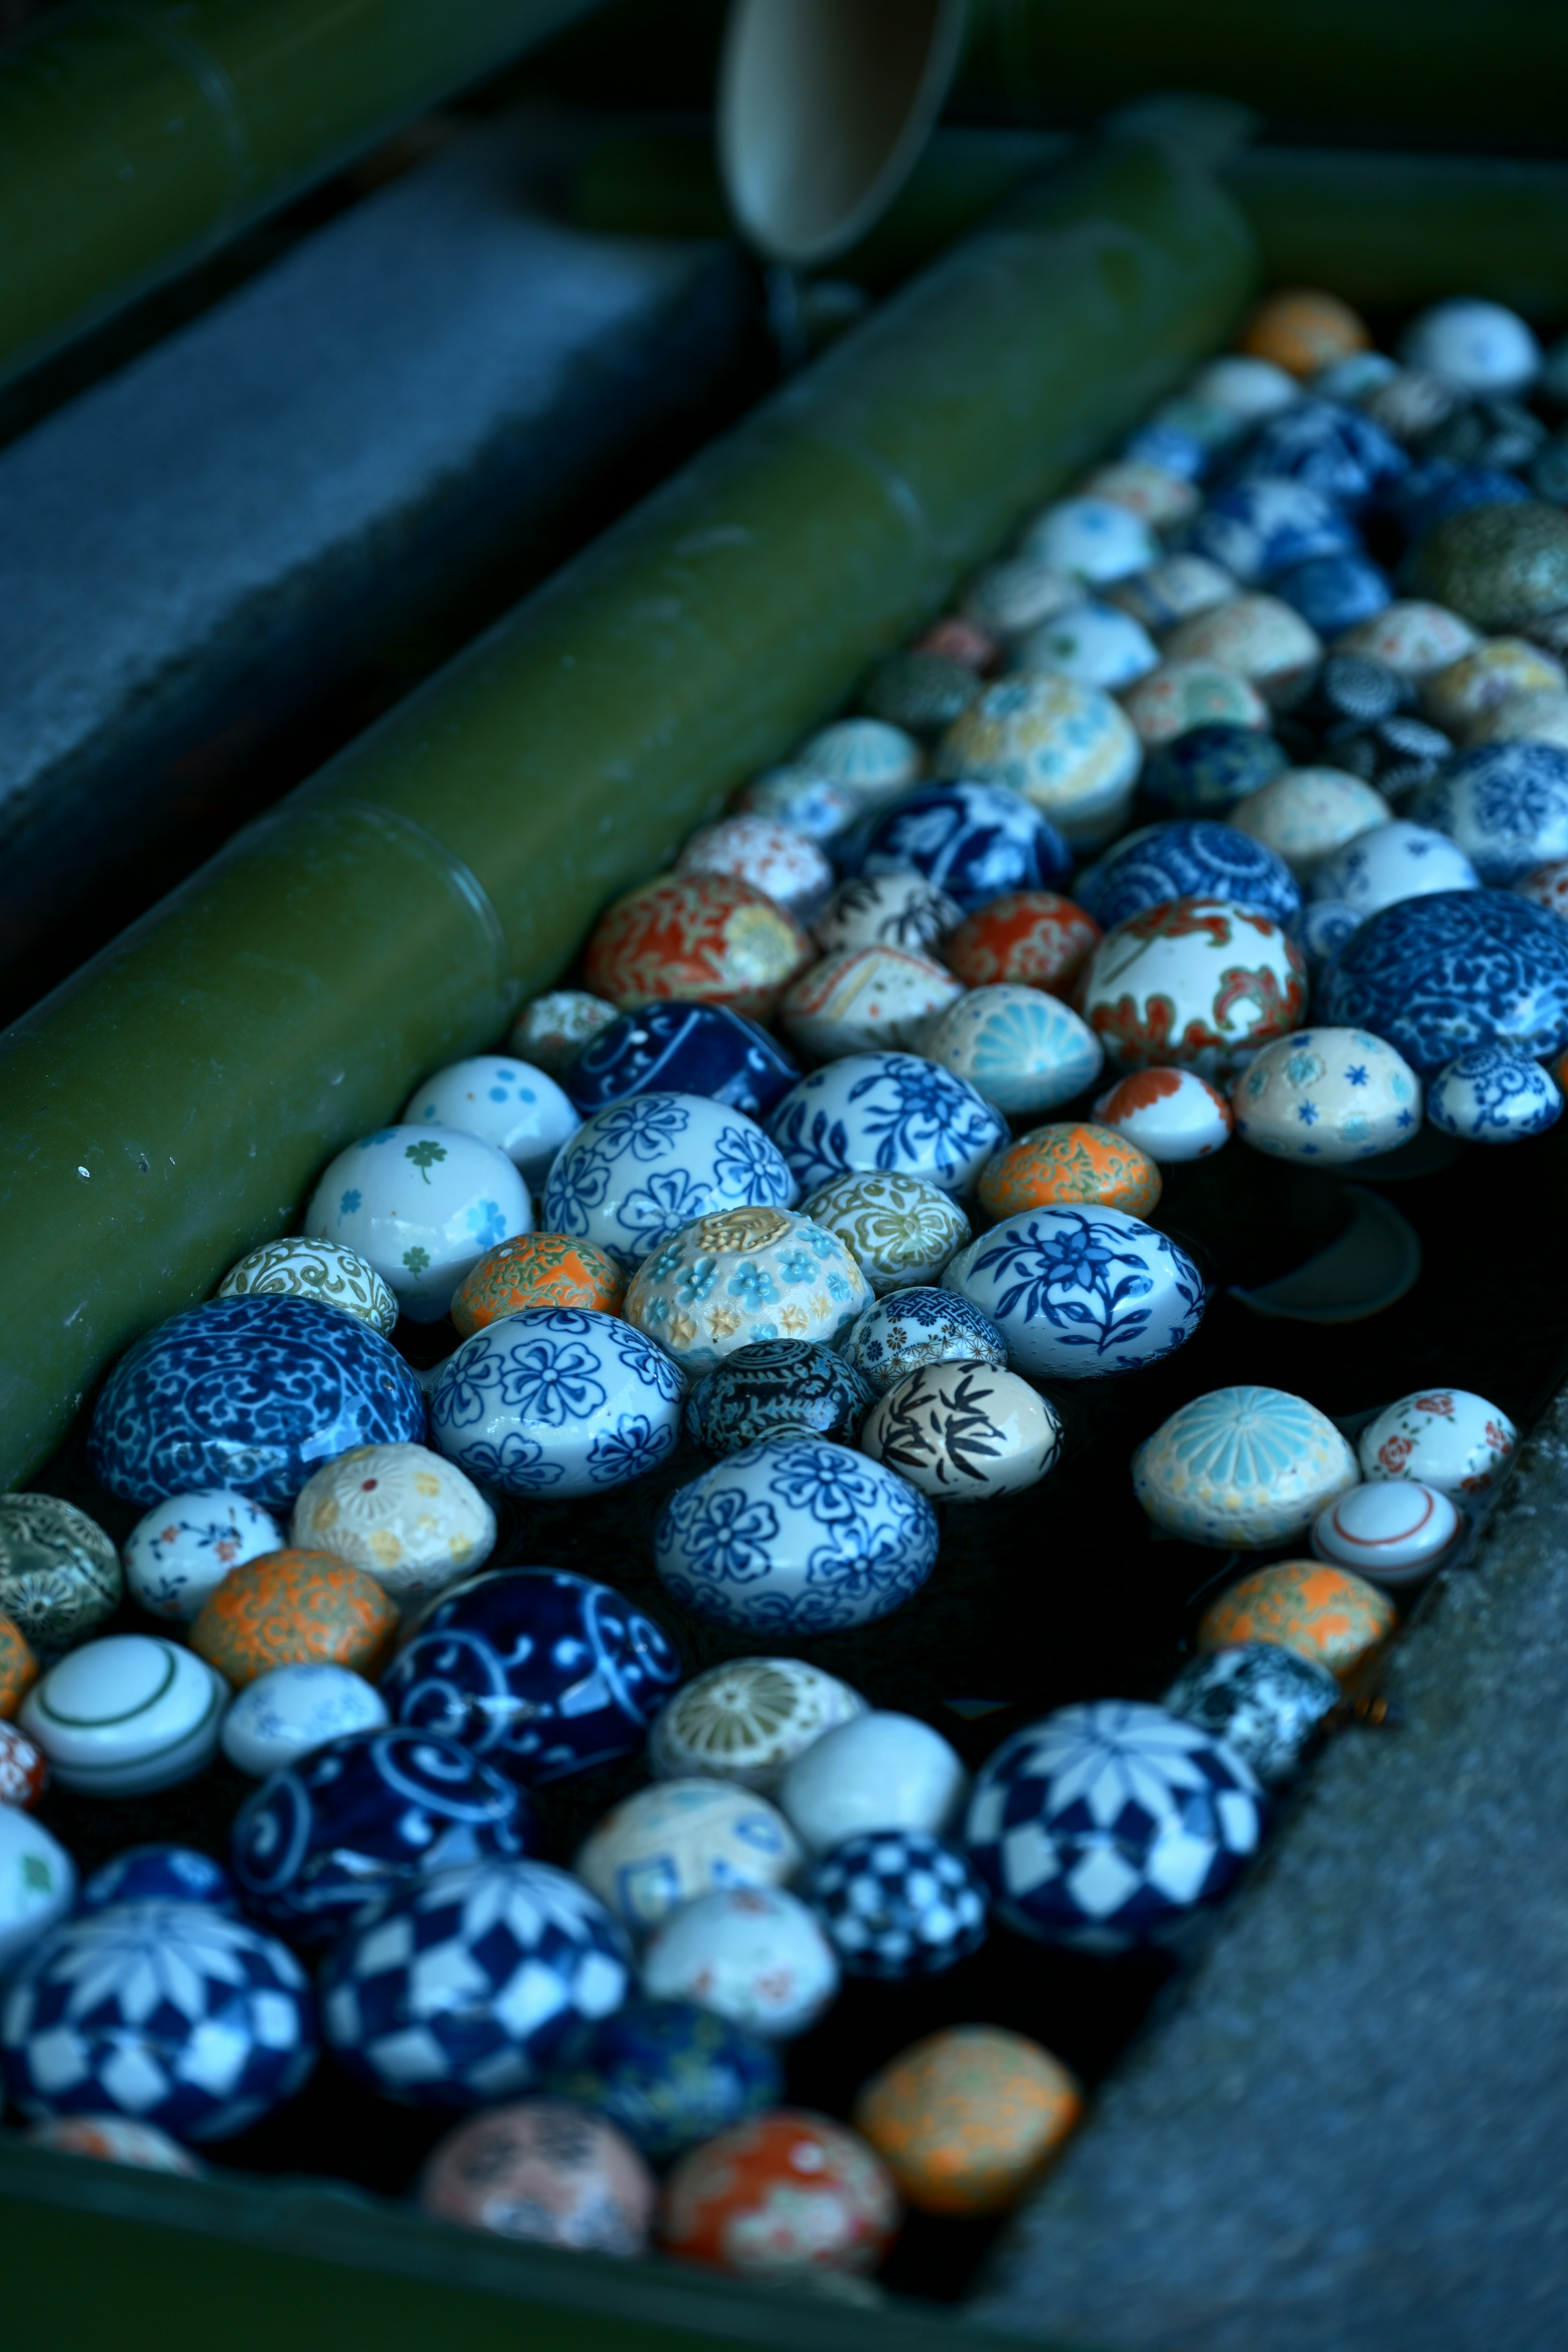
<point x="1326" y="1614"/>
<point x="1030" y="937"/>
<point x="537" y="1270"/>
<point x="708" y="939"/>
<point x="967" y="2119"/>
<point x="1065" y="1164"/>
<point x="788" y="2191"/>
<point x="18" y="1667"/>
<point x="295" y="1608"/>
<point x="1303" y="331"/>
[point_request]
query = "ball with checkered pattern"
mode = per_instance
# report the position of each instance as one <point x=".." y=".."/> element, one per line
<point x="456" y="1990"/>
<point x="173" y="2014"/>
<point x="1108" y="1825"/>
<point x="897" y="1903"/>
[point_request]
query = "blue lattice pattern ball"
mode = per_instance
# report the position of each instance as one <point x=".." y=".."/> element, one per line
<point x="666" y="2074"/>
<point x="899" y="1902"/>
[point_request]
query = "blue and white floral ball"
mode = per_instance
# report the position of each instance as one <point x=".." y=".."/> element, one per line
<point x="899" y="1902"/>
<point x="692" y="1049"/>
<point x="557" y="1400"/>
<point x="744" y="1276"/>
<point x="1077" y="1293"/>
<point x="1192" y="857"/>
<point x="1257" y="529"/>
<point x="456" y="1991"/>
<point x="175" y="2014"/>
<point x="1506" y="805"/>
<point x="1437" y="975"/>
<point x="919" y="1326"/>
<point x="1390" y="862"/>
<point x="1492" y="1095"/>
<point x="160" y="1873"/>
<point x="974" y="841"/>
<point x="894" y="1111"/>
<point x="795" y="1536"/>
<point x="1334" y="450"/>
<point x="1108" y="1825"/>
<point x="634" y="1173"/>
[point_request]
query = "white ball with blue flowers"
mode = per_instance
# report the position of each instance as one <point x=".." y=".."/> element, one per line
<point x="422" y="1204"/>
<point x="1492" y="1095"/>
<point x="634" y="1173"/>
<point x="557" y="1400"/>
<point x="1390" y="862"/>
<point x="1079" y="1292"/>
<point x="743" y="1275"/>
<point x="796" y="1537"/>
<point x="897" y="1112"/>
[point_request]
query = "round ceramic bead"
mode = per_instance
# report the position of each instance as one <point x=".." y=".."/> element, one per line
<point x="743" y="1276"/>
<point x="1356" y="377"/>
<point x="810" y="804"/>
<point x="1547" y="886"/>
<point x="776" y="1388"/>
<point x="1491" y="678"/>
<point x="795" y="1536"/>
<point x="1264" y="1701"/>
<point x="863" y="999"/>
<point x="1107" y="1826"/>
<point x="545" y="1674"/>
<point x="1327" y="1615"/>
<point x="922" y="691"/>
<point x="747" y="1721"/>
<point x="1242" y="1468"/>
<point x="1146" y="489"/>
<point x="1181" y="437"/>
<point x="423" y="1203"/>
<point x="899" y="1229"/>
<point x="900" y="909"/>
<point x="1307" y="814"/>
<point x="667" y="1844"/>
<point x="1192" y="857"/>
<point x="248" y="1394"/>
<point x="37" y="1882"/>
<point x="1492" y="1095"/>
<point x="160" y="1873"/>
<point x="898" y="1904"/>
<point x="634" y="1175"/>
<point x="1327" y="1095"/>
<point x="1170" y="1115"/>
<point x="789" y="2195"/>
<point x="666" y="2074"/>
<point x="1500" y="566"/>
<point x="894" y="1112"/>
<point x="967" y="2119"/>
<point x="1333" y="593"/>
<point x="24" y="1768"/>
<point x="1258" y="529"/>
<point x="1390" y="862"/>
<point x="1261" y="638"/>
<point x="1081" y="1293"/>
<point x="1410" y="403"/>
<point x="1206" y="771"/>
<point x="1010" y="597"/>
<point x="324" y="1271"/>
<point x="184" y="1548"/>
<point x="1392" y="1530"/>
<point x="324" y="1840"/>
<point x="1030" y="937"/>
<point x="517" y="1109"/>
<point x="707" y="939"/>
<point x="1067" y="748"/>
<point x="1303" y="331"/>
<point x="1197" y="983"/>
<point x="1446" y="1438"/>
<point x="878" y="1771"/>
<point x="1334" y="449"/>
<point x="401" y="1513"/>
<point x="115" y="2139"/>
<point x="1072" y="1161"/>
<point x="970" y="841"/>
<point x="1171" y="590"/>
<point x="1322" y="931"/>
<point x="125" y="1715"/>
<point x="536" y="1270"/>
<point x="1478" y="345"/>
<point x="1411" y="637"/>
<point x="1537" y="717"/>
<point x="1096" y="644"/>
<point x="551" y="1032"/>
<point x="1462" y="968"/>
<point x="782" y="863"/>
<point x="285" y="1714"/>
<point x="59" y="1573"/>
<point x="1250" y="387"/>
<point x="1180" y="696"/>
<point x="956" y="638"/>
<point x="1505" y="804"/>
<point x="18" y="1667"/>
<point x="172" y="2013"/>
<point x="1024" y="1049"/>
<point x="294" y="1608"/>
<point x="908" y="1328"/>
<point x="754" y="1955"/>
<point x="873" y="760"/>
<point x="456" y="1990"/>
<point x="545" y="2172"/>
<point x="963" y="1432"/>
<point x="1090" y="539"/>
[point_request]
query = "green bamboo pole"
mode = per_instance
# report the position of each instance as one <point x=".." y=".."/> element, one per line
<point x="134" y="139"/>
<point x="291" y="994"/>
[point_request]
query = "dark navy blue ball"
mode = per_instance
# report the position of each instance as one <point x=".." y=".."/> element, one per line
<point x="1433" y="976"/>
<point x="666" y="2074"/>
<point x="1333" y="593"/>
<point x="160" y="1873"/>
<point x="1192" y="857"/>
<point x="1328" y="447"/>
<point x="974" y="841"/>
<point x="1210" y="768"/>
<point x="252" y="1394"/>
<point x="1430" y="493"/>
<point x="899" y="1902"/>
<point x="684" y="1049"/>
<point x="776" y="1388"/>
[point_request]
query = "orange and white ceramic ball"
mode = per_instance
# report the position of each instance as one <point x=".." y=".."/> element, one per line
<point x="537" y="1270"/>
<point x="18" y="1666"/>
<point x="295" y="1608"/>
<point x="708" y="938"/>
<point x="1303" y="331"/>
<point x="1328" y="1614"/>
<point x="967" y="2118"/>
<point x="1033" y="938"/>
<point x="544" y="2171"/>
<point x="1069" y="1162"/>
<point x="787" y="2192"/>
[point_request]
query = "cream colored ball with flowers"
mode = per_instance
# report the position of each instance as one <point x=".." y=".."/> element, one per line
<point x="402" y="1514"/>
<point x="743" y="1274"/>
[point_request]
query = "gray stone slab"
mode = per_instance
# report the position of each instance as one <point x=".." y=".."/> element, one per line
<point x="1347" y="2130"/>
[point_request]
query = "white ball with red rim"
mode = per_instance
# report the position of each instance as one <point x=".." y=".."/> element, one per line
<point x="1394" y="1531"/>
<point x="1172" y="1114"/>
<point x="1447" y="1438"/>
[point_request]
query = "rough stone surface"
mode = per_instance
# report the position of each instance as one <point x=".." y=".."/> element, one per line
<point x="1349" y="2127"/>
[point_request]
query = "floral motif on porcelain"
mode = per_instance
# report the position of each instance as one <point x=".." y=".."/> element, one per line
<point x="1025" y="1050"/>
<point x="907" y="1329"/>
<point x="1505" y="804"/>
<point x="901" y="909"/>
<point x="1171" y="1115"/>
<point x="1081" y="1293"/>
<point x="59" y="1573"/>
<point x="787" y="2195"/>
<point x="1447" y="1438"/>
<point x="1327" y="1095"/>
<point x="708" y="939"/>
<point x="1492" y="1095"/>
<point x="967" y="2118"/>
<point x="552" y="1030"/>
<point x="773" y="857"/>
<point x="1069" y="749"/>
<point x="743" y="1276"/>
<point x="1198" y="982"/>
<point x="971" y="841"/>
<point x="754" y="1955"/>
<point x="513" y="1105"/>
<point x="899" y="1230"/>
<point x="1190" y="857"/>
<point x="1074" y="1162"/>
<point x="1330" y="1615"/>
<point x="536" y="1270"/>
<point x="289" y="1711"/>
<point x="1242" y="1468"/>
<point x="776" y="1387"/>
<point x="1337" y="451"/>
<point x="1032" y="936"/>
<point x="294" y="1608"/>
<point x="185" y="1546"/>
<point x="1180" y="696"/>
<point x="873" y="760"/>
<point x="748" y="1720"/>
<point x="1437" y="975"/>
<point x="1307" y="814"/>
<point x="423" y="1205"/>
<point x="24" y="1772"/>
<point x="666" y="2074"/>
<point x="1389" y="861"/>
<point x="894" y="1112"/>
<point x="863" y="999"/>
<point x="1090" y="539"/>
<point x="401" y="1513"/>
<point x="633" y="1175"/>
<point x="817" y="807"/>
<point x="1256" y="529"/>
<point x="544" y="2171"/>
<point x="324" y="1271"/>
<point x="38" y="1887"/>
<point x="557" y="1399"/>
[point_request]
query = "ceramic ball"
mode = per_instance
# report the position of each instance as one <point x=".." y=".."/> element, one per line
<point x="324" y="1271"/>
<point x="59" y="1573"/>
<point x="557" y="1399"/>
<point x="1010" y="597"/>
<point x="290" y="1711"/>
<point x="545" y="2171"/>
<point x="1157" y="495"/>
<point x="1495" y="677"/>
<point x="1435" y="976"/>
<point x="1447" y="1438"/>
<point x="401" y="1513"/>
<point x="1257" y="529"/>
<point x="776" y="860"/>
<point x="633" y="1175"/>
<point x="1170" y="1115"/>
<point x="295" y="1608"/>
<point x="423" y="1203"/>
<point x="1090" y="539"/>
<point x="1261" y="638"/>
<point x="666" y="2074"/>
<point x="747" y="1720"/>
<point x="1188" y="858"/>
<point x="968" y="2119"/>
<point x="518" y="1108"/>
<point x="1031" y="938"/>
<point x="1493" y="1096"/>
<point x="125" y="1714"/>
<point x="776" y="1388"/>
<point x="969" y="840"/>
<point x="1481" y="346"/>
<point x="742" y="1276"/>
<point x="1410" y="636"/>
<point x="537" y="1270"/>
<point x="707" y="939"/>
<point x="1302" y="330"/>
<point x="1171" y="590"/>
<point x="1248" y="386"/>
<point x="667" y="1844"/>
<point x="1505" y="804"/>
<point x="38" y="1884"/>
<point x="963" y="1432"/>
<point x="864" y="998"/>
<point x="693" y="1049"/>
<point x="551" y="1031"/>
<point x="160" y="1873"/>
<point x="184" y="1548"/>
<point x="18" y="1667"/>
<point x="921" y="690"/>
<point x="908" y="1328"/>
<point x="754" y="1955"/>
<point x="1264" y="1701"/>
<point x="1307" y="814"/>
<point x="813" y="805"/>
<point x="898" y="1904"/>
<point x="897" y="1113"/>
<point x="1205" y="771"/>
<point x="788" y="2195"/>
<point x="1198" y="983"/>
<point x="1073" y="1161"/>
<point x="1327" y="1095"/>
<point x="873" y="760"/>
<point x="1327" y="1615"/>
<point x="899" y="1230"/>
<point x="1097" y="644"/>
<point x="1500" y="566"/>
<point x="1067" y="748"/>
<point x="1242" y="1468"/>
<point x="1078" y="1294"/>
<point x="880" y="1771"/>
<point x="900" y="909"/>
<point x="24" y="1768"/>
<point x="1025" y="1050"/>
<point x="1390" y="1530"/>
<point x="115" y="2139"/>
<point x="1389" y="861"/>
